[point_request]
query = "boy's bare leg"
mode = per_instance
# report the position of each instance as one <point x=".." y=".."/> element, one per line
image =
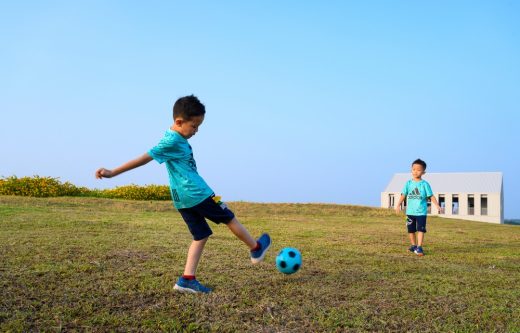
<point x="194" y="254"/>
<point x="412" y="238"/>
<point x="420" y="237"/>
<point x="241" y="232"/>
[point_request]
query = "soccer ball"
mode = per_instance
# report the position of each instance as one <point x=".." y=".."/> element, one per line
<point x="289" y="260"/>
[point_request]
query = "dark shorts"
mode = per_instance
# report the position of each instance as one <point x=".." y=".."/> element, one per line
<point x="416" y="223"/>
<point x="195" y="217"/>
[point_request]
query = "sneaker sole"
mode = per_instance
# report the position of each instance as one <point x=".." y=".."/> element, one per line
<point x="184" y="290"/>
<point x="259" y="259"/>
<point x="419" y="254"/>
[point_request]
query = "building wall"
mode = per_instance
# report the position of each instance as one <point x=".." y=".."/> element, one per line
<point x="495" y="208"/>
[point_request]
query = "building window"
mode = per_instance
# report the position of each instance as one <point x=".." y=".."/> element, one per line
<point x="483" y="204"/>
<point x="455" y="204"/>
<point x="471" y="204"/>
<point x="442" y="203"/>
<point x="391" y="201"/>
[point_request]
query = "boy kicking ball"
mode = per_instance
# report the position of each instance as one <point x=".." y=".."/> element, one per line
<point x="192" y="197"/>
<point x="417" y="191"/>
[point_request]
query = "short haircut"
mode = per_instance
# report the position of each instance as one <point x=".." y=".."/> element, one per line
<point x="188" y="107"/>
<point x="420" y="162"/>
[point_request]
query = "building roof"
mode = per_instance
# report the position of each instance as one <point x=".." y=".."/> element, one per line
<point x="455" y="182"/>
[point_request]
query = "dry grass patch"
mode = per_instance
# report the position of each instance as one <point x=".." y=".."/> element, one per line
<point x="86" y="264"/>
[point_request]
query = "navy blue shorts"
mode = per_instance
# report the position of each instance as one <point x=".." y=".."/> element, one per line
<point x="195" y="217"/>
<point x="416" y="223"/>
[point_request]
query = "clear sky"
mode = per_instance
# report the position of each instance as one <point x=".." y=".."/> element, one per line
<point x="307" y="101"/>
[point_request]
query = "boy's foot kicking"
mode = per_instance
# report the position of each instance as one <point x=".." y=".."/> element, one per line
<point x="262" y="245"/>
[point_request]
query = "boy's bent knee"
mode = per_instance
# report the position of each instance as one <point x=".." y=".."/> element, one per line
<point x="232" y="221"/>
<point x="201" y="238"/>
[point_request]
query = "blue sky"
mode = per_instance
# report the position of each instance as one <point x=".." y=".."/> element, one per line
<point x="307" y="101"/>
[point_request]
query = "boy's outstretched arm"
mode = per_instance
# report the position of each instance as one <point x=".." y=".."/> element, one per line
<point x="135" y="163"/>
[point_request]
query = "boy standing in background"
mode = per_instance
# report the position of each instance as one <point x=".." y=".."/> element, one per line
<point x="417" y="192"/>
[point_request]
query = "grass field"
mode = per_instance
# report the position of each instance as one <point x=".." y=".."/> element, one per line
<point x="85" y="264"/>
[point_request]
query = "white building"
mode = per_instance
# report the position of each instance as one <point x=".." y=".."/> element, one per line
<point x="476" y="196"/>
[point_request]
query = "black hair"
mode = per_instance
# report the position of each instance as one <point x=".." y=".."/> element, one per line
<point x="420" y="162"/>
<point x="188" y="107"/>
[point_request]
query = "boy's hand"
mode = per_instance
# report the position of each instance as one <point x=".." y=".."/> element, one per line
<point x="141" y="160"/>
<point x="398" y="209"/>
<point x="103" y="173"/>
<point x="440" y="209"/>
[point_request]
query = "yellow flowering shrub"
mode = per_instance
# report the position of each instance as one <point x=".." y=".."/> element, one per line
<point x="37" y="186"/>
<point x="136" y="192"/>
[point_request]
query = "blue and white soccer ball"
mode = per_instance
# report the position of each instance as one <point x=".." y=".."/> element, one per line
<point x="289" y="260"/>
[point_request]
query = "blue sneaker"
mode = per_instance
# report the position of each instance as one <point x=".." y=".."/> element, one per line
<point x="190" y="286"/>
<point x="412" y="248"/>
<point x="419" y="251"/>
<point x="265" y="243"/>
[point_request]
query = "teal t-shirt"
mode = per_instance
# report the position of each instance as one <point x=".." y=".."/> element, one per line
<point x="417" y="194"/>
<point x="187" y="187"/>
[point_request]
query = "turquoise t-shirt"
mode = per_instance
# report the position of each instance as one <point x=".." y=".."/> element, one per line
<point x="187" y="187"/>
<point x="417" y="194"/>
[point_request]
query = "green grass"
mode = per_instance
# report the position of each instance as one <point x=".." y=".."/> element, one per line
<point x="87" y="264"/>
